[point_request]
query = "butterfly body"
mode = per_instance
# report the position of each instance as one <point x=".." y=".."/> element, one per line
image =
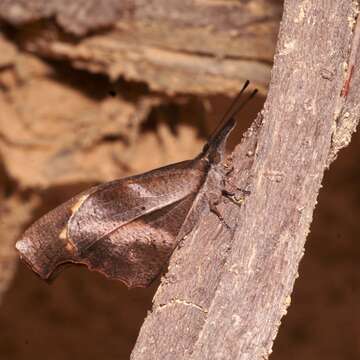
<point x="128" y="228"/>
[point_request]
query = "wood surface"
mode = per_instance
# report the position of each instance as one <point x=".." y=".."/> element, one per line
<point x="224" y="296"/>
<point x="201" y="47"/>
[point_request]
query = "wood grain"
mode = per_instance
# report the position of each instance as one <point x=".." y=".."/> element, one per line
<point x="201" y="47"/>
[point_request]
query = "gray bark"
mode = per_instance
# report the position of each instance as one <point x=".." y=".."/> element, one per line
<point x="225" y="294"/>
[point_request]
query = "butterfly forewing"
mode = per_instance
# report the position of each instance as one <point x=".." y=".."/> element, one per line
<point x="128" y="209"/>
<point x="42" y="245"/>
<point x="122" y="201"/>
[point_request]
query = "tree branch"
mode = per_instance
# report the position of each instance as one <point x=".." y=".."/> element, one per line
<point x="224" y="296"/>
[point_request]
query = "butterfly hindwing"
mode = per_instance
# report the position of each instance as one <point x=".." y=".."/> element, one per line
<point x="136" y="253"/>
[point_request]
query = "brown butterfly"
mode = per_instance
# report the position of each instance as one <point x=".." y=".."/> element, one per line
<point x="128" y="228"/>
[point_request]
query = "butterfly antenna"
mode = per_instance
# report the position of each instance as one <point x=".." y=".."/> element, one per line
<point x="228" y="121"/>
<point x="232" y="110"/>
<point x="242" y="105"/>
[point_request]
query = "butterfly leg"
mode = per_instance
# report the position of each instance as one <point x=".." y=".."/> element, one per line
<point x="214" y="201"/>
<point x="233" y="193"/>
<point x="229" y="190"/>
